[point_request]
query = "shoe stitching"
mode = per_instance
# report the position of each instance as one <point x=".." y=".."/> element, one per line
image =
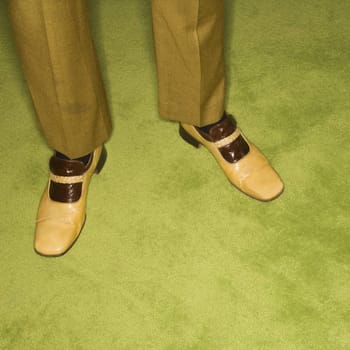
<point x="229" y="139"/>
<point x="66" y="179"/>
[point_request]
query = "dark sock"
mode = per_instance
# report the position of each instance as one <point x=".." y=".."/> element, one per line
<point x="206" y="128"/>
<point x="84" y="159"/>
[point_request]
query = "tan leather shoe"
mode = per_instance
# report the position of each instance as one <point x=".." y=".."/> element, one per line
<point x="243" y="164"/>
<point x="61" y="213"/>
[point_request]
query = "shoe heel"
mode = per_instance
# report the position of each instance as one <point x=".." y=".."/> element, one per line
<point x="101" y="161"/>
<point x="188" y="138"/>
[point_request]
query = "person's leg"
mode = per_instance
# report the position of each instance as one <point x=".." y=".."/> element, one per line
<point x="61" y="69"/>
<point x="62" y="73"/>
<point x="189" y="45"/>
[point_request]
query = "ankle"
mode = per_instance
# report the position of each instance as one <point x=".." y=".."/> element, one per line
<point x="84" y="159"/>
<point x="207" y="127"/>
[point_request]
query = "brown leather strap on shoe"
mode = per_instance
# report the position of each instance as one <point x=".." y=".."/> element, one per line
<point x="227" y="137"/>
<point x="66" y="179"/>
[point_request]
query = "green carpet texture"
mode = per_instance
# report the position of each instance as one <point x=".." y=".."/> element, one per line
<point x="172" y="256"/>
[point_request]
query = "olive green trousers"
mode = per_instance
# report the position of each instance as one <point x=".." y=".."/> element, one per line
<point x="62" y="71"/>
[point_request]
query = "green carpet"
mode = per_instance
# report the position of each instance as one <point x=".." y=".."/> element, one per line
<point x="172" y="257"/>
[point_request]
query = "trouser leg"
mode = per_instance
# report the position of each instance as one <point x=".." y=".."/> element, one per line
<point x="61" y="69"/>
<point x="189" y="45"/>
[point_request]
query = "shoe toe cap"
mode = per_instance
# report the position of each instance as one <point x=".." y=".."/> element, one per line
<point x="264" y="185"/>
<point x="54" y="239"/>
